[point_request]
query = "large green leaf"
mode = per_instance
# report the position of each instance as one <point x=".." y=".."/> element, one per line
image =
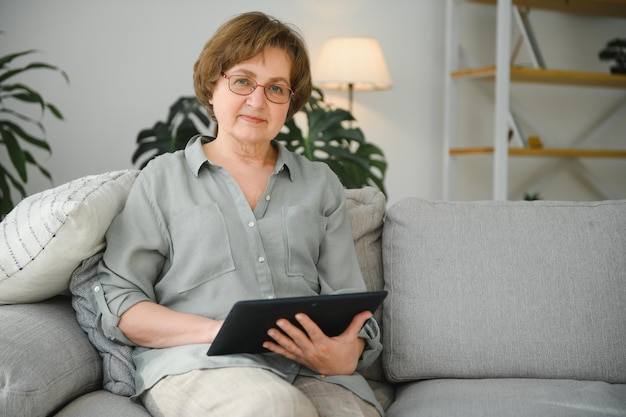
<point x="23" y="93"/>
<point x="15" y="134"/>
<point x="16" y="129"/>
<point x="10" y="57"/>
<point x="6" y="202"/>
<point x="35" y="65"/>
<point x="31" y="160"/>
<point x="16" y="154"/>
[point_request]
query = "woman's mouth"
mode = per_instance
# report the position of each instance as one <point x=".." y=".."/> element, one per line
<point x="251" y="119"/>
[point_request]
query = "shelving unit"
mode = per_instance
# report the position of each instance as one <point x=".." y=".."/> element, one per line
<point x="502" y="74"/>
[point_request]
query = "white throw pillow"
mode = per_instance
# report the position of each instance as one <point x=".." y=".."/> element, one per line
<point x="46" y="236"/>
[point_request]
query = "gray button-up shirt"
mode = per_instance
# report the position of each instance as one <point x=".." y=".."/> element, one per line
<point x="187" y="239"/>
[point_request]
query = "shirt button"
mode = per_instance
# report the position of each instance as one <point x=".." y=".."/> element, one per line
<point x="96" y="288"/>
<point x="293" y="365"/>
<point x="267" y="197"/>
<point x="261" y="259"/>
<point x="251" y="224"/>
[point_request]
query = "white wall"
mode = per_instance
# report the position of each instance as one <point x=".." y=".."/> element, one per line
<point x="129" y="60"/>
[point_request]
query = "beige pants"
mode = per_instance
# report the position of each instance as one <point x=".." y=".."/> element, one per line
<point x="251" y="392"/>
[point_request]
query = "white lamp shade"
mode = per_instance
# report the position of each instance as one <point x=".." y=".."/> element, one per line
<point x="355" y="62"/>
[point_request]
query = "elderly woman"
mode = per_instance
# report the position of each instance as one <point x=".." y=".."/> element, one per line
<point x="230" y="218"/>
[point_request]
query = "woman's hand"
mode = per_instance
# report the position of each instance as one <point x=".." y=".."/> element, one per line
<point x="325" y="355"/>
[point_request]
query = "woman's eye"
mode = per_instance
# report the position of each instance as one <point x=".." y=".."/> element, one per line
<point x="278" y="89"/>
<point x="243" y="81"/>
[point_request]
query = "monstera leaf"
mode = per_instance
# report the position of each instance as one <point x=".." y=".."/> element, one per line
<point x="330" y="138"/>
<point x="186" y="119"/>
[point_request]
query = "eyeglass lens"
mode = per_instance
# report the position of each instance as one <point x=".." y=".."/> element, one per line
<point x="243" y="85"/>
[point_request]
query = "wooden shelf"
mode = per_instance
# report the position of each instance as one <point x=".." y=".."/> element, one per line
<point x="545" y="152"/>
<point x="610" y="8"/>
<point x="547" y="76"/>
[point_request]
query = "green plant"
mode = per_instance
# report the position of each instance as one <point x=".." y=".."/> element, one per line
<point x="356" y="162"/>
<point x="17" y="123"/>
<point x="186" y="118"/>
<point x="615" y="50"/>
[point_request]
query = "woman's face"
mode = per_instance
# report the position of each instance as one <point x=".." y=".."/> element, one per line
<point x="253" y="118"/>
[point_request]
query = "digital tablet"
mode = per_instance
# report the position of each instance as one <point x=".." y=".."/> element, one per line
<point x="245" y="328"/>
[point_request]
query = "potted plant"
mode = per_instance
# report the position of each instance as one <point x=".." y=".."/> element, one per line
<point x="615" y="50"/>
<point x="327" y="139"/>
<point x="18" y="101"/>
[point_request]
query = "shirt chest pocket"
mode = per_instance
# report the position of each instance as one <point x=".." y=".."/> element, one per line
<point x="201" y="247"/>
<point x="304" y="232"/>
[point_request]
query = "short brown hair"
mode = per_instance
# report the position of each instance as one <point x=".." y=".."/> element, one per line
<point x="244" y="37"/>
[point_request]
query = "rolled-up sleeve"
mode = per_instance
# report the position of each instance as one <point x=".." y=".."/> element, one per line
<point x="371" y="334"/>
<point x="105" y="320"/>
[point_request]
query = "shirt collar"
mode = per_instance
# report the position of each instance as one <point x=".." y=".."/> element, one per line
<point x="196" y="159"/>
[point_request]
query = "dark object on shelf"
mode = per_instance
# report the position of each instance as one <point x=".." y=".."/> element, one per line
<point x="615" y="50"/>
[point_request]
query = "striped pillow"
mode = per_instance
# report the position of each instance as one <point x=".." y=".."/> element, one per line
<point x="46" y="236"/>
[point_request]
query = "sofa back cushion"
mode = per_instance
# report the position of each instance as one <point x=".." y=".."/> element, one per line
<point x="366" y="210"/>
<point x="505" y="289"/>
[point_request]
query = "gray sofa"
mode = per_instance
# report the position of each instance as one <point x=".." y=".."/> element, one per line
<point x="494" y="308"/>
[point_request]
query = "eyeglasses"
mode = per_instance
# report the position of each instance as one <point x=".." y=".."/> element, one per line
<point x="244" y="86"/>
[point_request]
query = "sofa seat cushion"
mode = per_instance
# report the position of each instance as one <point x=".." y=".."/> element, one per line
<point x="507" y="289"/>
<point x="509" y="398"/>
<point x="103" y="404"/>
<point x="45" y="358"/>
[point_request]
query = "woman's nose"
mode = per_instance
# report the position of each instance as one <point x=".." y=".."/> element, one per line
<point x="257" y="97"/>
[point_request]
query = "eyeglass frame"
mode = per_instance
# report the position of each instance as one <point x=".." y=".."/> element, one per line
<point x="256" y="84"/>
